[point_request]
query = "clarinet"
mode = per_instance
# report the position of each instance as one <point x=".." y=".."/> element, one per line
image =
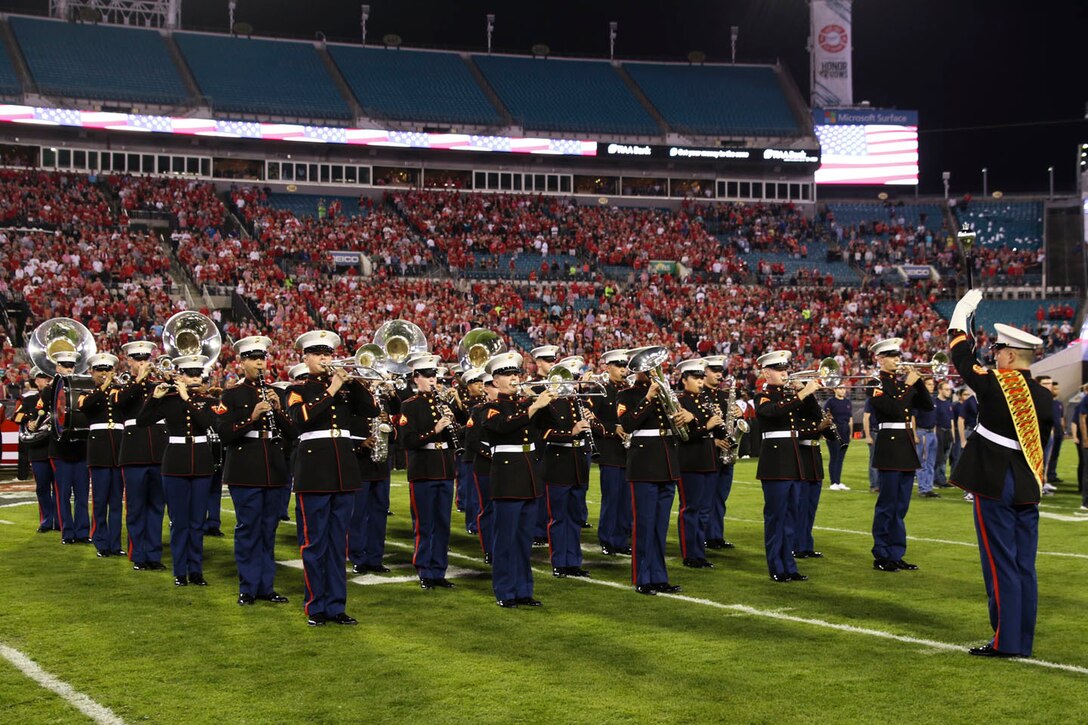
<point x="594" y="454"/>
<point x="453" y="428"/>
<point x="270" y="416"/>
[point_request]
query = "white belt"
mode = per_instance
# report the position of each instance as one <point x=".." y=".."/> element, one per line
<point x="334" y="433"/>
<point x="650" y="433"/>
<point x="525" y="448"/>
<point x="998" y="439"/>
<point x="187" y="439"/>
<point x="436" y="446"/>
<point x="575" y="444"/>
<point x="130" y="421"/>
<point x="105" y="426"/>
<point x="894" y="426"/>
<point x="808" y="442"/>
<point x="778" y="434"/>
<point x="266" y="434"/>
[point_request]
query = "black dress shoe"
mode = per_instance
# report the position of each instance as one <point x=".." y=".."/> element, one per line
<point x="798" y="577"/>
<point x="358" y="569"/>
<point x="780" y="578"/>
<point x="285" y="517"/>
<point x="67" y="541"/>
<point x="715" y="544"/>
<point x="577" y="571"/>
<point x="705" y="564"/>
<point x="214" y="532"/>
<point x="180" y="581"/>
<point x="905" y="565"/>
<point x="930" y="494"/>
<point x="198" y="579"/>
<point x="443" y="583"/>
<point x="987" y="650"/>
<point x="141" y="566"/>
<point x="316" y="620"/>
<point x="426" y="584"/>
<point x="102" y="553"/>
<point x="540" y="541"/>
<point x="343" y="618"/>
<point x="815" y="555"/>
<point x="487" y="558"/>
<point x="646" y="589"/>
<point x="43" y="529"/>
<point x="507" y="603"/>
<point x="587" y="525"/>
<point x="559" y="572"/>
<point x="529" y="602"/>
<point x="666" y="588"/>
<point x="245" y="600"/>
<point x="626" y="551"/>
<point x="608" y="550"/>
<point x="121" y="552"/>
<point x="885" y="565"/>
<point x="156" y="565"/>
<point x="800" y="554"/>
<point x="692" y="564"/>
<point x="84" y="540"/>
<point x="379" y="569"/>
<point x="274" y="597"/>
<point x="728" y="545"/>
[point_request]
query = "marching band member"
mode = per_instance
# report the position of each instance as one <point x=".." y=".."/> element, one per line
<point x="30" y="416"/>
<point x="1002" y="464"/>
<point x="653" y="468"/>
<point x="369" y="518"/>
<point x="429" y="429"/>
<point x="614" y="524"/>
<point x="894" y="456"/>
<point x="544" y="357"/>
<point x="187" y="462"/>
<point x="515" y="484"/>
<point x="472" y="380"/>
<point x="253" y="428"/>
<point x="141" y="458"/>
<point x="778" y="407"/>
<point x="478" y="443"/>
<point x="326" y="473"/>
<point x="106" y="431"/>
<point x="297" y="374"/>
<point x="815" y="423"/>
<point x="69" y="460"/>
<point x="698" y="464"/>
<point x="721" y="482"/>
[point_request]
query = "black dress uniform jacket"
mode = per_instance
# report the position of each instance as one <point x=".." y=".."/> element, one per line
<point x="779" y="409"/>
<point x="650" y="458"/>
<point x="565" y="459"/>
<point x="188" y="419"/>
<point x="477" y="440"/>
<point x="471" y="404"/>
<point x="513" y="473"/>
<point x="103" y="444"/>
<point x="698" y="454"/>
<point x="327" y="464"/>
<point x="74" y="448"/>
<point x="982" y="465"/>
<point x="26" y="410"/>
<point x="250" y="460"/>
<point x="142" y="445"/>
<point x="812" y="459"/>
<point x="609" y="443"/>
<point x="418" y="417"/>
<point x="895" y="448"/>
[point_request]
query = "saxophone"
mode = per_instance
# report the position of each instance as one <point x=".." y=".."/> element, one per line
<point x="379" y="431"/>
<point x="734" y="429"/>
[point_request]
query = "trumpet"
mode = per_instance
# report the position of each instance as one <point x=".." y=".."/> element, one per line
<point x="829" y="375"/>
<point x="937" y="366"/>
<point x="161" y="370"/>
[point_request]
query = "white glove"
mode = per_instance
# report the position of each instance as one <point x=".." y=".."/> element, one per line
<point x="967" y="304"/>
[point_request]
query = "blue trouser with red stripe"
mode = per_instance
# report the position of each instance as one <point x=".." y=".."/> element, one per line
<point x="808" y="500"/>
<point x="257" y="511"/>
<point x="540" y="528"/>
<point x="214" y="519"/>
<point x="779" y="502"/>
<point x="145" y="501"/>
<point x="651" y="504"/>
<point x="511" y="575"/>
<point x="47" y="496"/>
<point x="696" y="488"/>
<point x="431" y="505"/>
<point x="108" y="488"/>
<point x="324" y="518"/>
<point x="485" y="519"/>
<point x="467" y="495"/>
<point x="565" y="525"/>
<point x="71" y="478"/>
<point x="713" y="518"/>
<point x="366" y="532"/>
<point x="187" y="504"/>
<point x="614" y="524"/>
<point x="1008" y="539"/>
<point x="889" y="516"/>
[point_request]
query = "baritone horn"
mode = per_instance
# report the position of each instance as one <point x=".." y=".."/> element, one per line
<point x="60" y="334"/>
<point x="399" y="340"/>
<point x="190" y="333"/>
<point x="477" y="347"/>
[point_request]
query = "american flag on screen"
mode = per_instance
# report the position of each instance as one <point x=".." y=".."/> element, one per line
<point x="873" y="154"/>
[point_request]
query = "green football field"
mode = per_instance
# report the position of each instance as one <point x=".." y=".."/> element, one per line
<point x="850" y="645"/>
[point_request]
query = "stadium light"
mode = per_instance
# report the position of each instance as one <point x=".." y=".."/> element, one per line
<point x="946" y="176"/>
<point x="362" y="21"/>
<point x="1050" y="173"/>
<point x="230" y="15"/>
<point x="734" y="33"/>
<point x="490" y="30"/>
<point x="612" y="27"/>
<point x="985" y="186"/>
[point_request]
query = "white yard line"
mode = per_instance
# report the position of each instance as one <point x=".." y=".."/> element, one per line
<point x="87" y="706"/>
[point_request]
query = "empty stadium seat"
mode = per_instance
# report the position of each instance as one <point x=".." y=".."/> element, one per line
<point x="712" y="100"/>
<point x="255" y="76"/>
<point x="566" y="95"/>
<point x="9" y="79"/>
<point x="860" y="212"/>
<point x="105" y="62"/>
<point x="1019" y="313"/>
<point x="306" y="205"/>
<point x="408" y="85"/>
<point x="1014" y="224"/>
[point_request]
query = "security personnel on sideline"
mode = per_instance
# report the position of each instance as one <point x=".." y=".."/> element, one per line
<point x="614" y="524"/>
<point x="29" y="416"/>
<point x="721" y="482"/>
<point x="369" y="517"/>
<point x="780" y="470"/>
<point x="69" y="460"/>
<point x="141" y="458"/>
<point x="698" y="464"/>
<point x="515" y="484"/>
<point x="106" y="430"/>
<point x="253" y="426"/>
<point x="895" y="456"/>
<point x="653" y="468"/>
<point x="1002" y="464"/>
<point x="187" y="462"/>
<point x="478" y="446"/>
<point x="326" y="473"/>
<point x="431" y="432"/>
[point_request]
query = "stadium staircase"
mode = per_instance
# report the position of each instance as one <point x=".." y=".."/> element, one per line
<point x="18" y="62"/>
<point x="342" y="85"/>
<point x="642" y="98"/>
<point x="195" y="96"/>
<point x="485" y="86"/>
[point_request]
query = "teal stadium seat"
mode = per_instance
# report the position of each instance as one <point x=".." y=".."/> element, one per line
<point x="1019" y="313"/>
<point x="102" y="62"/>
<point x="411" y="85"/>
<point x="1012" y="224"/>
<point x="10" y="87"/>
<point x="570" y="96"/>
<point x="305" y="205"/>
<point x="262" y="77"/>
<point x="853" y="213"/>
<point x="714" y="100"/>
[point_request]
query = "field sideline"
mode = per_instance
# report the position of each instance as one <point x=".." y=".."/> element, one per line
<point x="850" y="645"/>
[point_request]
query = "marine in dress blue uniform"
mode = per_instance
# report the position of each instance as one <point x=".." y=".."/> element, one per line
<point x="721" y="484"/>
<point x="894" y="456"/>
<point x="1003" y="466"/>
<point x="106" y="428"/>
<point x="29" y="417"/>
<point x="545" y="357"/>
<point x="471" y="395"/>
<point x="369" y="517"/>
<point x="814" y="423"/>
<point x="614" y="523"/>
<point x="698" y="464"/>
<point x="68" y="456"/>
<point x="478" y="452"/>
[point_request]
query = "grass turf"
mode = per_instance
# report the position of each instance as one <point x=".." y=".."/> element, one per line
<point x="593" y="653"/>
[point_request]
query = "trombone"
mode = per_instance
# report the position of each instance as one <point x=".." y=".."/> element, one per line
<point x="829" y="375"/>
<point x="562" y="383"/>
